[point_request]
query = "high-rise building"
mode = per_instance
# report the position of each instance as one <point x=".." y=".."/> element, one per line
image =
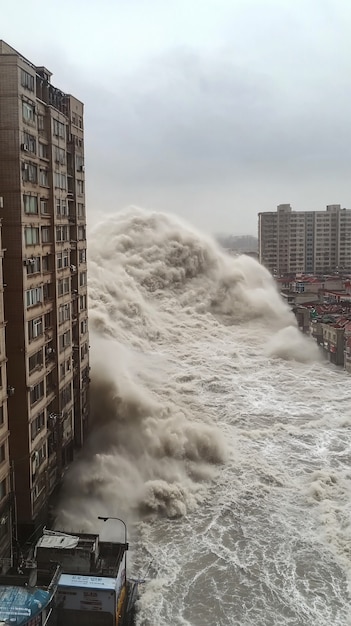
<point x="315" y="242"/>
<point x="42" y="184"/>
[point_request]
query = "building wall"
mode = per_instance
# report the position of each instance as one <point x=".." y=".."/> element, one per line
<point x="44" y="232"/>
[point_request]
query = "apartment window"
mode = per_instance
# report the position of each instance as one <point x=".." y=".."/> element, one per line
<point x="41" y="123"/>
<point x="29" y="143"/>
<point x="36" y="360"/>
<point x="60" y="155"/>
<point x="45" y="234"/>
<point x="62" y="233"/>
<point x="62" y="369"/>
<point x="41" y="454"/>
<point x="63" y="286"/>
<point x="1" y="415"/>
<point x="31" y="235"/>
<point x="30" y="204"/>
<point x="81" y="233"/>
<point x="84" y="326"/>
<point x="82" y="303"/>
<point x="27" y="80"/>
<point x="82" y="256"/>
<point x="48" y="320"/>
<point x="37" y="392"/>
<point x="60" y="180"/>
<point x="65" y="340"/>
<point x="84" y="350"/>
<point x="2" y="453"/>
<point x="43" y="177"/>
<point x="3" y="489"/>
<point x="80" y="163"/>
<point x="59" y="129"/>
<point x="62" y="259"/>
<point x="28" y="112"/>
<point x="29" y="173"/>
<point x="37" y="425"/>
<point x="33" y="265"/>
<point x="81" y="210"/>
<point x="44" y="206"/>
<point x="43" y="150"/>
<point x="48" y="290"/>
<point x="34" y="296"/>
<point x="80" y="186"/>
<point x="35" y="328"/>
<point x="46" y="262"/>
<point x="82" y="279"/>
<point x="61" y="207"/>
<point x="64" y="313"/>
<point x="65" y="395"/>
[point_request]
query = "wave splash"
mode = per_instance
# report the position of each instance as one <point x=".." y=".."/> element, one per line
<point x="159" y="294"/>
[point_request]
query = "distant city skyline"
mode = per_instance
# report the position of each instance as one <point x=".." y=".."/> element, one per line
<point x="214" y="110"/>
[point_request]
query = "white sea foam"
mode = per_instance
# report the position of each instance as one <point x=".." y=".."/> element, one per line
<point x="214" y="420"/>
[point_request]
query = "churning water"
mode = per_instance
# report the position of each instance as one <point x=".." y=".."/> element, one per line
<point x="220" y="435"/>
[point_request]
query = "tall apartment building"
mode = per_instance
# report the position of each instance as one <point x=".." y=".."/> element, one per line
<point x="44" y="234"/>
<point x="305" y="241"/>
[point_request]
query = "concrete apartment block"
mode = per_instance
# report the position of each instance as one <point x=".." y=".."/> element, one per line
<point x="42" y="182"/>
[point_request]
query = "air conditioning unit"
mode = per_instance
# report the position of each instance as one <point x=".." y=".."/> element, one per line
<point x="24" y="147"/>
<point x="82" y="168"/>
<point x="73" y="268"/>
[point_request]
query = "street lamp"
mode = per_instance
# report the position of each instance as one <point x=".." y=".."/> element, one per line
<point x="105" y="519"/>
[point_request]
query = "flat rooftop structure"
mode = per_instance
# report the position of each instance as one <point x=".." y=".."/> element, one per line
<point x="79" y="553"/>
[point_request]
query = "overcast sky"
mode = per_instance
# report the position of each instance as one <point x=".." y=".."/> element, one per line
<point x="212" y="109"/>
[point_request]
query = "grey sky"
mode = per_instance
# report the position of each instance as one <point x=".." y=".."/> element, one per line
<point x="212" y="109"/>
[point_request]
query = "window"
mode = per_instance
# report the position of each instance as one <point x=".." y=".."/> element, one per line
<point x="3" y="489"/>
<point x="84" y="326"/>
<point x="63" y="286"/>
<point x="64" y="340"/>
<point x="38" y="487"/>
<point x="33" y="265"/>
<point x="84" y="350"/>
<point x="28" y="112"/>
<point x="41" y="124"/>
<point x="43" y="151"/>
<point x="1" y="415"/>
<point x="82" y="303"/>
<point x="44" y="206"/>
<point x="43" y="177"/>
<point x="45" y="234"/>
<point x="61" y="207"/>
<point x="29" y="173"/>
<point x="80" y="163"/>
<point x="27" y="80"/>
<point x="81" y="233"/>
<point x="31" y="235"/>
<point x="60" y="180"/>
<point x="29" y="143"/>
<point x="48" y="320"/>
<point x="58" y="129"/>
<point x="46" y="261"/>
<point x="82" y="279"/>
<point x="34" y="296"/>
<point x="2" y="453"/>
<point x="37" y="392"/>
<point x="37" y="424"/>
<point x="62" y="233"/>
<point x="80" y="186"/>
<point x="64" y="313"/>
<point x="48" y="290"/>
<point x="60" y="155"/>
<point x="41" y="454"/>
<point x="36" y="360"/>
<point x="30" y="204"/>
<point x="65" y="395"/>
<point x="35" y="328"/>
<point x="81" y="210"/>
<point x="82" y="256"/>
<point x="62" y="259"/>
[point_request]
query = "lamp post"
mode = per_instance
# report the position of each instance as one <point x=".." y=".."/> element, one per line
<point x="118" y="519"/>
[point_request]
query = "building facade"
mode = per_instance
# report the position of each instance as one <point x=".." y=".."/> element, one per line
<point x="315" y="242"/>
<point x="42" y="183"/>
